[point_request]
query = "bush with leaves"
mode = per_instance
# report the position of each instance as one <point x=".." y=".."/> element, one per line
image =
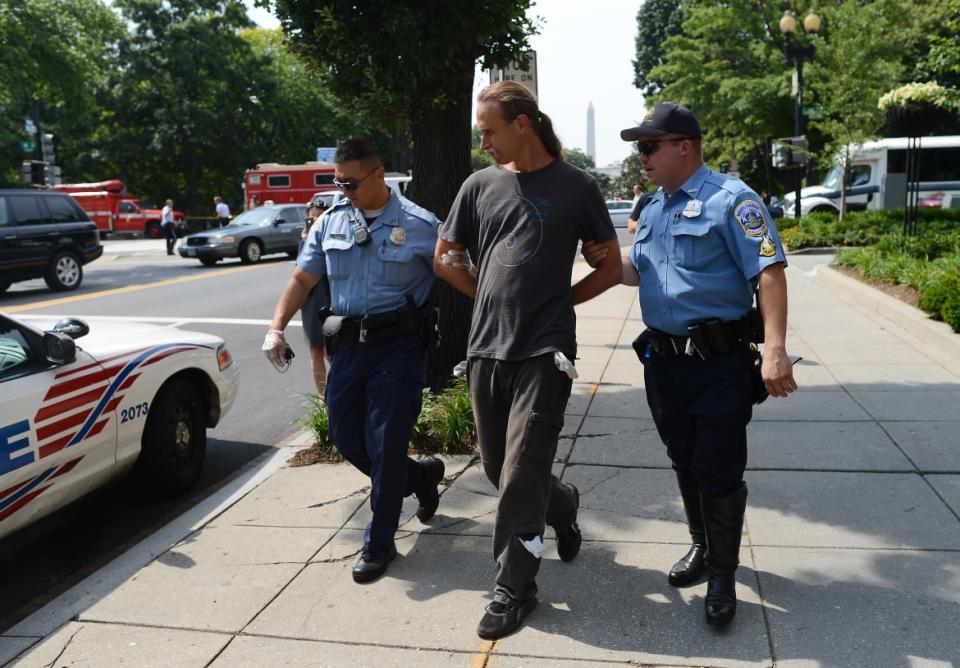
<point x="862" y="228"/>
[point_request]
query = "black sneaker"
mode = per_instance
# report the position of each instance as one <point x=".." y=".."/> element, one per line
<point x="428" y="495"/>
<point x="502" y="619"/>
<point x="371" y="565"/>
<point x="569" y="537"/>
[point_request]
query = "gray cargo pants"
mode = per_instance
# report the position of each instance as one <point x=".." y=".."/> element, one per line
<point x="518" y="407"/>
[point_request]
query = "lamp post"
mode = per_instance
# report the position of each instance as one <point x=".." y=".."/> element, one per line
<point x="796" y="53"/>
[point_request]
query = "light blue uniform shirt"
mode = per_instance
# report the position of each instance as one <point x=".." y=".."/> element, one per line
<point x="700" y="250"/>
<point x="375" y="278"/>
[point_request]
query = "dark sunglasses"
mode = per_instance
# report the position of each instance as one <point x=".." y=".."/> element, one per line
<point x="650" y="147"/>
<point x="350" y="184"/>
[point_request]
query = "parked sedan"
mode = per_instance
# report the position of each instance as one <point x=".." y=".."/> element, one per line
<point x="274" y="228"/>
<point x="619" y="210"/>
<point x="126" y="397"/>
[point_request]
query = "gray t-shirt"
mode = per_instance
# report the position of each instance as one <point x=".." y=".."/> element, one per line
<point x="521" y="230"/>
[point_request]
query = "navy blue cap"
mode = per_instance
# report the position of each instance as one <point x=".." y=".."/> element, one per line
<point x="665" y="118"/>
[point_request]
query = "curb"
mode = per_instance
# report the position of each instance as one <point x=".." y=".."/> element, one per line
<point x="937" y="335"/>
<point x="81" y="596"/>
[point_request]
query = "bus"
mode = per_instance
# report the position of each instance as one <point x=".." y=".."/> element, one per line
<point x="877" y="177"/>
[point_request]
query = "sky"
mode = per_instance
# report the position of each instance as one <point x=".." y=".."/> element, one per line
<point x="584" y="54"/>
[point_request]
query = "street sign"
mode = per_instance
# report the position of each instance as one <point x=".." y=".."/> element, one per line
<point x="813" y="111"/>
<point x="325" y="153"/>
<point x="515" y="72"/>
<point x="29" y="127"/>
<point x="28" y="146"/>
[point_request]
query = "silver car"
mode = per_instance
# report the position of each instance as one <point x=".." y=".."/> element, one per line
<point x="273" y="228"/>
<point x="619" y="210"/>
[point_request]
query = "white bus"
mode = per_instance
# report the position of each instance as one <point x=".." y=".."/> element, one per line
<point x="877" y="178"/>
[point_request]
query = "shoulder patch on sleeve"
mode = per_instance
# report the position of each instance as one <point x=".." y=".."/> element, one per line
<point x="418" y="212"/>
<point x="749" y="213"/>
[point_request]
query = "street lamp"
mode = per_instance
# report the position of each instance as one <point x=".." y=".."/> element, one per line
<point x="796" y="53"/>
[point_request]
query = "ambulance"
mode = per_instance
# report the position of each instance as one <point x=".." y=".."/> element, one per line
<point x="115" y="211"/>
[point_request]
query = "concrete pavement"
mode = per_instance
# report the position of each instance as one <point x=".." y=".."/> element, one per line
<point x="851" y="553"/>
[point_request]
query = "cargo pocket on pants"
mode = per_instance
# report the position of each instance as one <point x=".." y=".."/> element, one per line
<point x="540" y="437"/>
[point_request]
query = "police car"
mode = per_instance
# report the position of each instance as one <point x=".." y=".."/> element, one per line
<point x="125" y="397"/>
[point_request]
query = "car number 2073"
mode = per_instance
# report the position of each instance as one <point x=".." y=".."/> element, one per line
<point x="134" y="412"/>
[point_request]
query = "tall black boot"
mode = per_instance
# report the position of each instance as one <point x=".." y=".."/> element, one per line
<point x="723" y="521"/>
<point x="691" y="566"/>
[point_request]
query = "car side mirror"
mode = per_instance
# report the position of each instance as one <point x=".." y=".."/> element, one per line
<point x="277" y="221"/>
<point x="59" y="348"/>
<point x="72" y="327"/>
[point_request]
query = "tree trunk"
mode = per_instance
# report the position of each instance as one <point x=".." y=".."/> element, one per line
<point x="441" y="162"/>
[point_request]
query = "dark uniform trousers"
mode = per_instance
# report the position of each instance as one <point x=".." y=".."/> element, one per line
<point x="170" y="233"/>
<point x="518" y="407"/>
<point x="374" y="393"/>
<point x="701" y="409"/>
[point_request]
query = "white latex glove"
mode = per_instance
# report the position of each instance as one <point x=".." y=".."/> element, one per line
<point x="273" y="348"/>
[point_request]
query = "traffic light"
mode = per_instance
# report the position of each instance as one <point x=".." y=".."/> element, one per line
<point x="46" y="147"/>
<point x="36" y="172"/>
<point x="26" y="172"/>
<point x="790" y="152"/>
<point x="51" y="175"/>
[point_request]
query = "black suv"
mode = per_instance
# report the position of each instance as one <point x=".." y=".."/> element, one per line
<point x="45" y="234"/>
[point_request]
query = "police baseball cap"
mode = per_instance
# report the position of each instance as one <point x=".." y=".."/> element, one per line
<point x="665" y="118"/>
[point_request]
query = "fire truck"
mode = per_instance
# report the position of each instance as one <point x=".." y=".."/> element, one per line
<point x="284" y="184"/>
<point x="115" y="211"/>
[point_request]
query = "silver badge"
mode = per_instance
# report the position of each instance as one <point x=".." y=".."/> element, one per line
<point x="693" y="208"/>
<point x="398" y="236"/>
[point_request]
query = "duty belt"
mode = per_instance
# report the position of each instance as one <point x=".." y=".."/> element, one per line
<point x="380" y="327"/>
<point x="707" y="339"/>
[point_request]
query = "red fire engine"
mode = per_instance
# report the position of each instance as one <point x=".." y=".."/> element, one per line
<point x="283" y="184"/>
<point x="115" y="211"/>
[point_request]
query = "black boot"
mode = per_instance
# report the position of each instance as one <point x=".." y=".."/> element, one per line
<point x="690" y="568"/>
<point x="723" y="522"/>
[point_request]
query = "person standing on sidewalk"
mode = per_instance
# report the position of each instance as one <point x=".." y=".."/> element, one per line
<point x="520" y="220"/>
<point x="375" y="247"/>
<point x="222" y="210"/>
<point x="169" y="225"/>
<point x="317" y="300"/>
<point x="704" y="245"/>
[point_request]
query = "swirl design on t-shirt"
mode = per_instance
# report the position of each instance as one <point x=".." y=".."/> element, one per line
<point x="521" y="231"/>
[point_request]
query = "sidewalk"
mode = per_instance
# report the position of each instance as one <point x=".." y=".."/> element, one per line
<point x="851" y="552"/>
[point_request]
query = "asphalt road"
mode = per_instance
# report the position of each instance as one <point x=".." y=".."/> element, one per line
<point x="137" y="280"/>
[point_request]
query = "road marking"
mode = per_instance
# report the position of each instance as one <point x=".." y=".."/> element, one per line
<point x="482" y="654"/>
<point x="162" y="320"/>
<point x="129" y="288"/>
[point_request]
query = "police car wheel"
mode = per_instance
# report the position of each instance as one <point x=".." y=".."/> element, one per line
<point x="250" y="251"/>
<point x="174" y="439"/>
<point x="65" y="272"/>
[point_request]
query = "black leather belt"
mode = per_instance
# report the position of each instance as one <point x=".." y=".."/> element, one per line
<point x="381" y="327"/>
<point x="707" y="339"/>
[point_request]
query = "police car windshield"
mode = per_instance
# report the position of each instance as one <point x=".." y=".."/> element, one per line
<point x="254" y="217"/>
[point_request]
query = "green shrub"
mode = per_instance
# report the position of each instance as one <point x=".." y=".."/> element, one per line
<point x="446" y="423"/>
<point x="939" y="291"/>
<point x="862" y="228"/>
<point x="318" y="423"/>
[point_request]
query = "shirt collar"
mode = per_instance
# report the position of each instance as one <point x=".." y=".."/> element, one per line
<point x="692" y="185"/>
<point x="390" y="215"/>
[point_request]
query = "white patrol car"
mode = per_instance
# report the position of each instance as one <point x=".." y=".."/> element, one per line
<point x="127" y="396"/>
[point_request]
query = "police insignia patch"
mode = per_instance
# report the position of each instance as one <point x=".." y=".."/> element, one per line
<point x="767" y="247"/>
<point x="398" y="236"/>
<point x="750" y="216"/>
<point x="647" y="116"/>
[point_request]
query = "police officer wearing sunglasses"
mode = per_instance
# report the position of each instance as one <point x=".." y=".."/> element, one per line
<point x="376" y="248"/>
<point x="704" y="245"/>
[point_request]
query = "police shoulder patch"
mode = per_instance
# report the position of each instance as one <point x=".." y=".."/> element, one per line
<point x="749" y="213"/>
<point x="767" y="247"/>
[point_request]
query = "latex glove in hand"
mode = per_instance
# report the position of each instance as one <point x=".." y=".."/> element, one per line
<point x="275" y="349"/>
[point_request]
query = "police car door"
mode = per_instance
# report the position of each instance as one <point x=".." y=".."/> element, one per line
<point x="56" y="441"/>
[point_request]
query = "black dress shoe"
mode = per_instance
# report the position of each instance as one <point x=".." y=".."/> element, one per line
<point x="428" y="495"/>
<point x="569" y="537"/>
<point x="370" y="566"/>
<point x="720" y="604"/>
<point x="690" y="569"/>
<point x="502" y="619"/>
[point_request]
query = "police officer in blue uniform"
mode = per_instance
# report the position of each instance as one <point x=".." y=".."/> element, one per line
<point x="376" y="248"/>
<point x="704" y="245"/>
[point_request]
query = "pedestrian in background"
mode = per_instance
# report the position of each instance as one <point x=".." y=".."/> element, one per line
<point x="169" y="225"/>
<point x="521" y="220"/>
<point x="317" y="299"/>
<point x="376" y="249"/>
<point x="705" y="244"/>
<point x="223" y="212"/>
